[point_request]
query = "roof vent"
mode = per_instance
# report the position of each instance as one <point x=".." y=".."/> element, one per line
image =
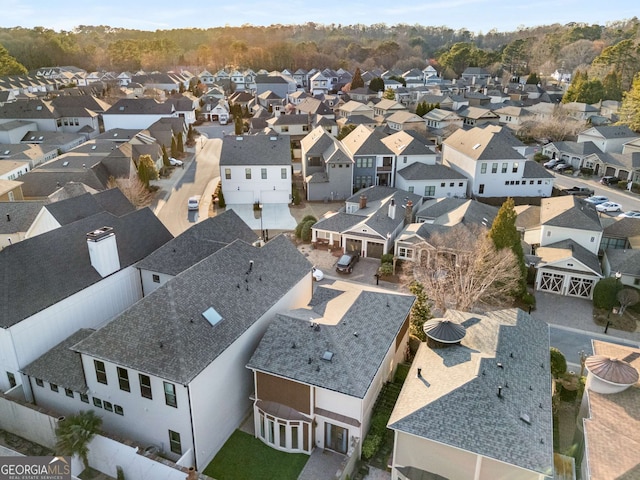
<point x="476" y="146"/>
<point x="239" y="138"/>
<point x="525" y="418"/>
<point x="64" y="164"/>
<point x="273" y="139"/>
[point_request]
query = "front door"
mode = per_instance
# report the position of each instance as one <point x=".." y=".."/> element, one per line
<point x="335" y="438"/>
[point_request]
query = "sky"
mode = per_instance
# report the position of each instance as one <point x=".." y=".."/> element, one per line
<point x="478" y="16"/>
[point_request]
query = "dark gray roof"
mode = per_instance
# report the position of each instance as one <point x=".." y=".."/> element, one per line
<point x="61" y="365"/>
<point x="438" y="207"/>
<point x="26" y="109"/>
<point x="621" y="228"/>
<point x="358" y="341"/>
<point x="624" y="261"/>
<point x="614" y="131"/>
<point x="569" y="212"/>
<point x="197" y="243"/>
<point x="422" y="171"/>
<point x="55" y="265"/>
<point x="82" y="206"/>
<point x="255" y="150"/>
<point x="140" y="106"/>
<point x="535" y="170"/>
<point x="21" y="216"/>
<point x="455" y="401"/>
<point x="39" y="183"/>
<point x="339" y="222"/>
<point x="577" y="148"/>
<point x="580" y="253"/>
<point x="165" y="333"/>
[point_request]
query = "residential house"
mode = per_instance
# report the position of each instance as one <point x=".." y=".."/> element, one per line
<point x="514" y="117"/>
<point x="625" y="166"/>
<point x="352" y="108"/>
<point x="490" y="158"/>
<point x="620" y="233"/>
<point x="83" y="276"/>
<point x="280" y="85"/>
<point x="610" y="412"/>
<point x="17" y="215"/>
<point x="441" y="123"/>
<point x="301" y="400"/>
<point x="477" y="401"/>
<point x="319" y="83"/>
<point x="573" y="153"/>
<point x="475" y="75"/>
<point x="385" y="107"/>
<point x="405" y="120"/>
<point x="580" y="111"/>
<point x="207" y="78"/>
<point x="315" y="106"/>
<point x="183" y="409"/>
<point x="374" y="162"/>
<point x="369" y="222"/>
<point x="609" y="139"/>
<point x="52" y="142"/>
<point x="34" y="154"/>
<point x="137" y="113"/>
<point x="12" y="131"/>
<point x="11" y="169"/>
<point x="478" y="116"/>
<point x="327" y="168"/>
<point x="166" y="82"/>
<point x="256" y="169"/>
<point x="477" y="99"/>
<point x="300" y="76"/>
<point x="624" y="264"/>
<point x="80" y="111"/>
<point x="184" y="106"/>
<point x="32" y="110"/>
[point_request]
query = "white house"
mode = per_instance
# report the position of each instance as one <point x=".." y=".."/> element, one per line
<point x="136" y="113"/>
<point x="610" y="138"/>
<point x="490" y="158"/>
<point x="256" y="169"/>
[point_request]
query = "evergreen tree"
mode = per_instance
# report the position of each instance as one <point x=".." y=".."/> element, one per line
<point x="147" y="169"/>
<point x="421" y="109"/>
<point x="190" y="134"/>
<point x="376" y="84"/>
<point x="611" y="85"/>
<point x="357" y="81"/>
<point x="630" y="109"/>
<point x="238" y="125"/>
<point x="504" y="234"/>
<point x="571" y="94"/>
<point x="389" y="94"/>
<point x="346" y="130"/>
<point x="165" y="157"/>
<point x="174" y="147"/>
<point x="180" y="143"/>
<point x="533" y="79"/>
<point x="420" y="311"/>
<point x="9" y="65"/>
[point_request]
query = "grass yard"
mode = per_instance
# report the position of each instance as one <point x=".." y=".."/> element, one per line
<point x="244" y="457"/>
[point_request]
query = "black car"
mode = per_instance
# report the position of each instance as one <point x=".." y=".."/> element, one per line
<point x="346" y="262"/>
<point x="609" y="180"/>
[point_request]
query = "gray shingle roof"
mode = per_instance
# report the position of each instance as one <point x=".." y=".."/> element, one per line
<point x="624" y="261"/>
<point x="422" y="171"/>
<point x="375" y="317"/>
<point x="75" y="208"/>
<point x="363" y="141"/>
<point x="455" y="400"/>
<point x="535" y="170"/>
<point x="165" y="334"/>
<point x="140" y="106"/>
<point x="52" y="266"/>
<point x="197" y="243"/>
<point x="255" y="150"/>
<point x="61" y="365"/>
<point x="482" y="144"/>
<point x="570" y="212"/>
<point x="578" y="252"/>
<point x="22" y="215"/>
<point x="40" y="183"/>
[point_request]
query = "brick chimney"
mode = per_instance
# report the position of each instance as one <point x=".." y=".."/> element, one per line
<point x="392" y="209"/>
<point x="408" y="213"/>
<point x="363" y="202"/>
<point x="103" y="251"/>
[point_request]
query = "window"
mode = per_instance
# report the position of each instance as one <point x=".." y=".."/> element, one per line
<point x="84" y="398"/>
<point x="504" y="167"/>
<point x="410" y="189"/>
<point x="174" y="442"/>
<point x="483" y="167"/>
<point x="530" y="182"/>
<point x="170" y="394"/>
<point x="481" y="188"/>
<point x="283" y="173"/>
<point x="156" y="278"/>
<point x="123" y="379"/>
<point x="294" y="438"/>
<point x="263" y="173"/>
<point x="461" y="184"/>
<point x="429" y="191"/>
<point x="514" y="168"/>
<point x="118" y="409"/>
<point x="593" y="239"/>
<point x="517" y="182"/>
<point x="101" y="373"/>
<point x="283" y="434"/>
<point x="227" y="174"/>
<point x="39" y="382"/>
<point x="12" y="379"/>
<point x="442" y="184"/>
<point x="108" y="406"/>
<point x="285" y="128"/>
<point x="68" y="392"/>
<point x="53" y="387"/>
<point x="97" y="402"/>
<point x="405" y="252"/>
<point x="506" y="182"/>
<point x="404" y="160"/>
<point x="539" y="182"/>
<point x="247" y="173"/>
<point x="452" y="184"/>
<point x="145" y="386"/>
<point x="494" y="168"/>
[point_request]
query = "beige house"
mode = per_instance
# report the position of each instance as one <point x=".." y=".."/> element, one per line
<point x="477" y="401"/>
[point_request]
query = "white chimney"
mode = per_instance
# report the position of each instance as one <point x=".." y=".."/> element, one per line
<point x="392" y="209"/>
<point x="103" y="251"/>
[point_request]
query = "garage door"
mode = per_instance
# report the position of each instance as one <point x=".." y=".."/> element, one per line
<point x="274" y="196"/>
<point x="238" y="197"/>
<point x="375" y="250"/>
<point x="551" y="282"/>
<point x="354" y="245"/>
<point x="581" y="287"/>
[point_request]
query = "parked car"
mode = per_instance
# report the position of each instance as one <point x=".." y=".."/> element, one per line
<point x="346" y="262"/>
<point x="609" y="207"/>
<point x="175" y="162"/>
<point x="579" y="191"/>
<point x="596" y="199"/>
<point x="630" y="214"/>
<point x="609" y="180"/>
<point x="317" y="274"/>
<point x="552" y="163"/>
<point x="562" y="167"/>
<point x="193" y="203"/>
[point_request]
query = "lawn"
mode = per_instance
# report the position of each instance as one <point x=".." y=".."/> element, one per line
<point x="244" y="457"/>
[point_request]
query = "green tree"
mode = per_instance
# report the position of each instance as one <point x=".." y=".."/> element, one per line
<point x="533" y="79"/>
<point x="611" y="85"/>
<point x="576" y="84"/>
<point x="9" y="65"/>
<point x="630" y="109"/>
<point x="389" y="94"/>
<point x="174" y="147"/>
<point x="504" y="234"/>
<point x="357" y="81"/>
<point x="74" y="433"/>
<point x="346" y="130"/>
<point x="558" y="362"/>
<point x="147" y="169"/>
<point x="165" y="157"/>
<point x="238" y="124"/>
<point x="376" y="84"/>
<point x="420" y="311"/>
<point x="605" y="293"/>
<point x="180" y="143"/>
<point x="421" y="109"/>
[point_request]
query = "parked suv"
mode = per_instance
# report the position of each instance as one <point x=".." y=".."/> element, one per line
<point x="346" y="262"/>
<point x="609" y="180"/>
<point x="552" y="163"/>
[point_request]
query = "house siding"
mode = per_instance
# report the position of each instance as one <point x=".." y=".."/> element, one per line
<point x="286" y="392"/>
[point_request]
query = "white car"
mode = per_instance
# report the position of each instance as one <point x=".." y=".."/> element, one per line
<point x="175" y="162"/>
<point x="317" y="274"/>
<point x="609" y="207"/>
<point x="596" y="199"/>
<point x="630" y="214"/>
<point x="193" y="203"/>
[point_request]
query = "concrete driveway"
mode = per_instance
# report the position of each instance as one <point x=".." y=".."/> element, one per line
<point x="274" y="216"/>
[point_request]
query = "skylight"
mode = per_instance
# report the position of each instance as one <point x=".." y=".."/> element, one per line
<point x="327" y="355"/>
<point x="212" y="316"/>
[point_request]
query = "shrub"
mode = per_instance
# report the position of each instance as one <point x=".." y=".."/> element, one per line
<point x="402" y="370"/>
<point x="586" y="171"/>
<point x="540" y="157"/>
<point x="385" y="269"/>
<point x="305" y="230"/>
<point x="295" y="195"/>
<point x="558" y="362"/>
<point x="387" y="258"/>
<point x="622" y="184"/>
<point x="528" y="299"/>
<point x="221" y="202"/>
<point x="370" y="446"/>
<point x="604" y="293"/>
<point x="308" y="217"/>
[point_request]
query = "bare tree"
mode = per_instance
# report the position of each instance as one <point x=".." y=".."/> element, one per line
<point x="133" y="189"/>
<point x="627" y="297"/>
<point x="556" y="129"/>
<point x="461" y="269"/>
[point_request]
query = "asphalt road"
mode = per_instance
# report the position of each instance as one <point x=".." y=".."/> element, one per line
<point x="629" y="201"/>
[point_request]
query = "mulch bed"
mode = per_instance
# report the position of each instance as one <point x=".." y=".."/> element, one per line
<point x="627" y="322"/>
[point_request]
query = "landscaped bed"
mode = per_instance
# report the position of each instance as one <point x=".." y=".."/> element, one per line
<point x="244" y="457"/>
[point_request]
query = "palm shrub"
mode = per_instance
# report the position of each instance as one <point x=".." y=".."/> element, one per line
<point x="74" y="434"/>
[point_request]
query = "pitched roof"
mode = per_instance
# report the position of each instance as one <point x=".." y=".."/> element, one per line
<point x="626" y="261"/>
<point x="569" y="211"/>
<point x="55" y="265"/>
<point x="482" y="144"/>
<point x="255" y="150"/>
<point x="568" y="248"/>
<point x="535" y="170"/>
<point x="140" y="106"/>
<point x="365" y="141"/>
<point x="75" y="208"/>
<point x="455" y="401"/>
<point x="422" y="171"/>
<point x="197" y="243"/>
<point x="351" y="327"/>
<point x="166" y="335"/>
<point x="18" y="216"/>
